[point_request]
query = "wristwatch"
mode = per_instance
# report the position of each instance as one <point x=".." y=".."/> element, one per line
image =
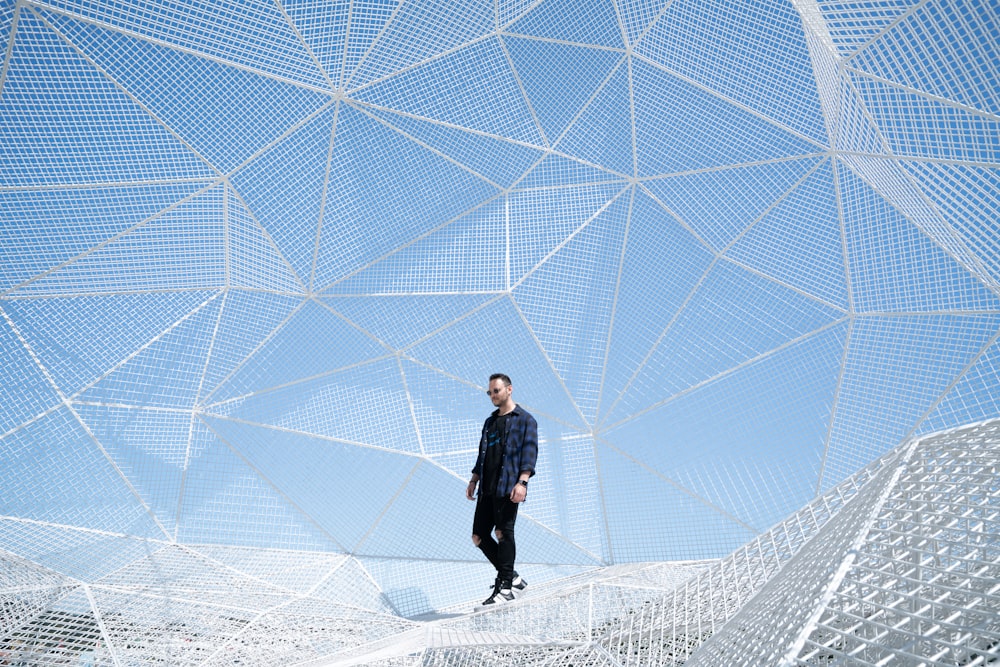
<point x="523" y="482"/>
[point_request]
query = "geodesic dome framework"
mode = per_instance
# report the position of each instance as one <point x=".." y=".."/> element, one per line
<point x="258" y="260"/>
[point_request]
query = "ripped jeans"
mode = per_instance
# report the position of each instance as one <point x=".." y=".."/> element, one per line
<point x="498" y="513"/>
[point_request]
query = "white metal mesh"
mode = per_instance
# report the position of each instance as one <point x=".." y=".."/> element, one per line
<point x="907" y="573"/>
<point x="257" y="260"/>
<point x="897" y="563"/>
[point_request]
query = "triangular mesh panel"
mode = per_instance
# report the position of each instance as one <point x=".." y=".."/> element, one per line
<point x="258" y="260"/>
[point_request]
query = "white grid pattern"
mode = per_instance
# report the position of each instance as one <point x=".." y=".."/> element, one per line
<point x="257" y="261"/>
<point x="841" y="581"/>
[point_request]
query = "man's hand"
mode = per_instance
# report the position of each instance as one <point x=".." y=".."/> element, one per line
<point x="519" y="493"/>
<point x="470" y="490"/>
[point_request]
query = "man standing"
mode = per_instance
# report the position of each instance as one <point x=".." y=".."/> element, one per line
<point x="508" y="449"/>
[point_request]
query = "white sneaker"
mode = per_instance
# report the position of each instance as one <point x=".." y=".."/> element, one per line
<point x="500" y="594"/>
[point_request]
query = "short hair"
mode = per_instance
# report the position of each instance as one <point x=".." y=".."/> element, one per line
<point x="502" y="377"/>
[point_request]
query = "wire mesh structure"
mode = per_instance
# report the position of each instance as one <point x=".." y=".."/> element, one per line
<point x="899" y="564"/>
<point x="259" y="258"/>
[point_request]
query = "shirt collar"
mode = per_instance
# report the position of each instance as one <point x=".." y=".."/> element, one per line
<point x="515" y="411"/>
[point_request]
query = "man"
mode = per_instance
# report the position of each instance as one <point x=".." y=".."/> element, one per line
<point x="508" y="449"/>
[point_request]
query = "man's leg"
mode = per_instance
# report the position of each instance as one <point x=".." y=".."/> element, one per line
<point x="502" y="517"/>
<point x="482" y="528"/>
<point x="505" y="515"/>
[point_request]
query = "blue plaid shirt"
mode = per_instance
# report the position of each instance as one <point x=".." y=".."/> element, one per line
<point x="520" y="449"/>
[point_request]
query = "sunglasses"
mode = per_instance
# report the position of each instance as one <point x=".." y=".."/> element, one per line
<point x="494" y="392"/>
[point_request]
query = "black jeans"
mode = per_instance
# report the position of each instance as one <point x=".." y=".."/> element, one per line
<point x="499" y="513"/>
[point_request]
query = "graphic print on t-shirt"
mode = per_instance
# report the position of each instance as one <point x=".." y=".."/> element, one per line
<point x="494" y="454"/>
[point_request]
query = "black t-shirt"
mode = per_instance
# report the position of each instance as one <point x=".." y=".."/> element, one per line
<point x="493" y="461"/>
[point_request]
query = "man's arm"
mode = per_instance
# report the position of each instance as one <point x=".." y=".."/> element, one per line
<point x="529" y="455"/>
<point x="529" y="448"/>
<point x="520" y="490"/>
<point x="470" y="490"/>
